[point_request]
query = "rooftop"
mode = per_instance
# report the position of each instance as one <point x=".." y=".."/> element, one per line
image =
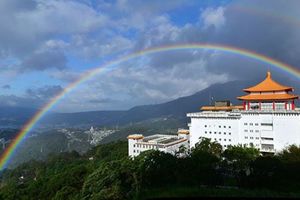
<point x="268" y="85"/>
<point x="220" y="108"/>
<point x="270" y="97"/>
<point x="165" y="140"/>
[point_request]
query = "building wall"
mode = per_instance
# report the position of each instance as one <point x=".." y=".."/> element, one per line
<point x="265" y="131"/>
<point x="172" y="149"/>
<point x="222" y="130"/>
<point x="286" y="130"/>
<point x="135" y="147"/>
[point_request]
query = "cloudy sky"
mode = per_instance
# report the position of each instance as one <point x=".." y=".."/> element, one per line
<point x="47" y="44"/>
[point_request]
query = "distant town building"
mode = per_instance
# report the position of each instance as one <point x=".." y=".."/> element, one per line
<point x="267" y="120"/>
<point x="137" y="143"/>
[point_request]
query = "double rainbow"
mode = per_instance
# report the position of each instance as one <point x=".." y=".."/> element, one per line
<point x="8" y="153"/>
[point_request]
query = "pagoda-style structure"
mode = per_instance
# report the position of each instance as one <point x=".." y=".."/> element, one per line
<point x="269" y="96"/>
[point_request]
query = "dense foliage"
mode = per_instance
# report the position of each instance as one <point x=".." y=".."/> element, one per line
<point x="106" y="172"/>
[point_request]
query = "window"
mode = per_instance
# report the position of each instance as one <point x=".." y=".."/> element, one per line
<point x="246" y="130"/>
<point x="245" y="124"/>
<point x="246" y="137"/>
<point x="224" y="133"/>
<point x="219" y="132"/>
<point x="220" y="139"/>
<point x="215" y="132"/>
<point x="219" y="126"/>
<point x="257" y="138"/>
<point x="209" y="132"/>
<point x="251" y="124"/>
<point x="229" y="140"/>
<point x="251" y="131"/>
<point x="256" y="124"/>
<point x="134" y="145"/>
<point x="133" y="151"/>
<point x="229" y="126"/>
<point x="224" y="126"/>
<point x="266" y="124"/>
<point x="224" y="145"/>
<point x="251" y="137"/>
<point x="224" y="139"/>
<point x="205" y="126"/>
<point x="256" y="131"/>
<point x="263" y="138"/>
<point x="229" y="133"/>
<point x="205" y="132"/>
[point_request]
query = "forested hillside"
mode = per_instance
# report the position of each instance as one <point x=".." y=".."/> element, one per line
<point x="106" y="172"/>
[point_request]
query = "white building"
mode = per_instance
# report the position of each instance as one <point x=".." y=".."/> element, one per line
<point x="166" y="143"/>
<point x="268" y="119"/>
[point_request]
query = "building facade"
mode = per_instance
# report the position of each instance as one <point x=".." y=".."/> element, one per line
<point x="267" y="120"/>
<point x="172" y="144"/>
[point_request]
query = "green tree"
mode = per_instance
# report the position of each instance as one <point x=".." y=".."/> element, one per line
<point x="237" y="160"/>
<point x="112" y="180"/>
<point x="290" y="154"/>
<point x="206" y="145"/>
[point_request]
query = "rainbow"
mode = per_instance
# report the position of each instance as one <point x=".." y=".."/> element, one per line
<point x="8" y="153"/>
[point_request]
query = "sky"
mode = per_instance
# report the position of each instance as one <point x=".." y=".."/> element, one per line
<point x="47" y="44"/>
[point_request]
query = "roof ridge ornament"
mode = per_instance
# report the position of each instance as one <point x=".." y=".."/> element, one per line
<point x="269" y="74"/>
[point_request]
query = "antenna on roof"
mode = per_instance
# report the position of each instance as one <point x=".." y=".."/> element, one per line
<point x="210" y="100"/>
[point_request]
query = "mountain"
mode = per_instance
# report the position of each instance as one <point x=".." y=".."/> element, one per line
<point x="172" y="109"/>
<point x="175" y="109"/>
<point x="14" y="117"/>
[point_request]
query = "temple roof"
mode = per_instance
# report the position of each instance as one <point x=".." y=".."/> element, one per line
<point x="135" y="136"/>
<point x="268" y="85"/>
<point x="275" y="97"/>
<point x="219" y="108"/>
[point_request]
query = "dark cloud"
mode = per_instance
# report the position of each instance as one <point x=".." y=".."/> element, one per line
<point x="44" y="93"/>
<point x="41" y="34"/>
<point x="266" y="27"/>
<point x="44" y="60"/>
<point x="18" y="101"/>
<point x="103" y="101"/>
<point x="6" y="86"/>
<point x="33" y="98"/>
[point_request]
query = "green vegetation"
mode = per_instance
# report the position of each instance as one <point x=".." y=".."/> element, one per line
<point x="106" y="172"/>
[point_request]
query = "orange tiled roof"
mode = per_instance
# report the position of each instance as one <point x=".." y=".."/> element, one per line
<point x="218" y="108"/>
<point x="183" y="131"/>
<point x="268" y="97"/>
<point x="135" y="136"/>
<point x="268" y="85"/>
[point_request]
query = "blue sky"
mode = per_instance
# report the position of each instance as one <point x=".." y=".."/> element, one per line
<point x="46" y="45"/>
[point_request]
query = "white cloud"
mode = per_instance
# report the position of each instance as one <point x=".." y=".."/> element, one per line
<point x="213" y="17"/>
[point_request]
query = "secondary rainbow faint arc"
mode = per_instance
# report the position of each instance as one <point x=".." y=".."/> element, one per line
<point x="5" y="157"/>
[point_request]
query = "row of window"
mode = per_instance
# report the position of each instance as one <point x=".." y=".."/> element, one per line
<point x="144" y="146"/>
<point x="219" y="126"/>
<point x="251" y="138"/>
<point x="216" y="132"/>
<point x="257" y="145"/>
<point x="251" y="124"/>
<point x="220" y="139"/>
<point x="251" y="131"/>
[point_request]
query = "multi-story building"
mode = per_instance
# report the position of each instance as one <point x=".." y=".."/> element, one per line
<point x="267" y="120"/>
<point x="137" y="143"/>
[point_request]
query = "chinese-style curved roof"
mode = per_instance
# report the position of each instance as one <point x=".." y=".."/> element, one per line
<point x="252" y="97"/>
<point x="268" y="85"/>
